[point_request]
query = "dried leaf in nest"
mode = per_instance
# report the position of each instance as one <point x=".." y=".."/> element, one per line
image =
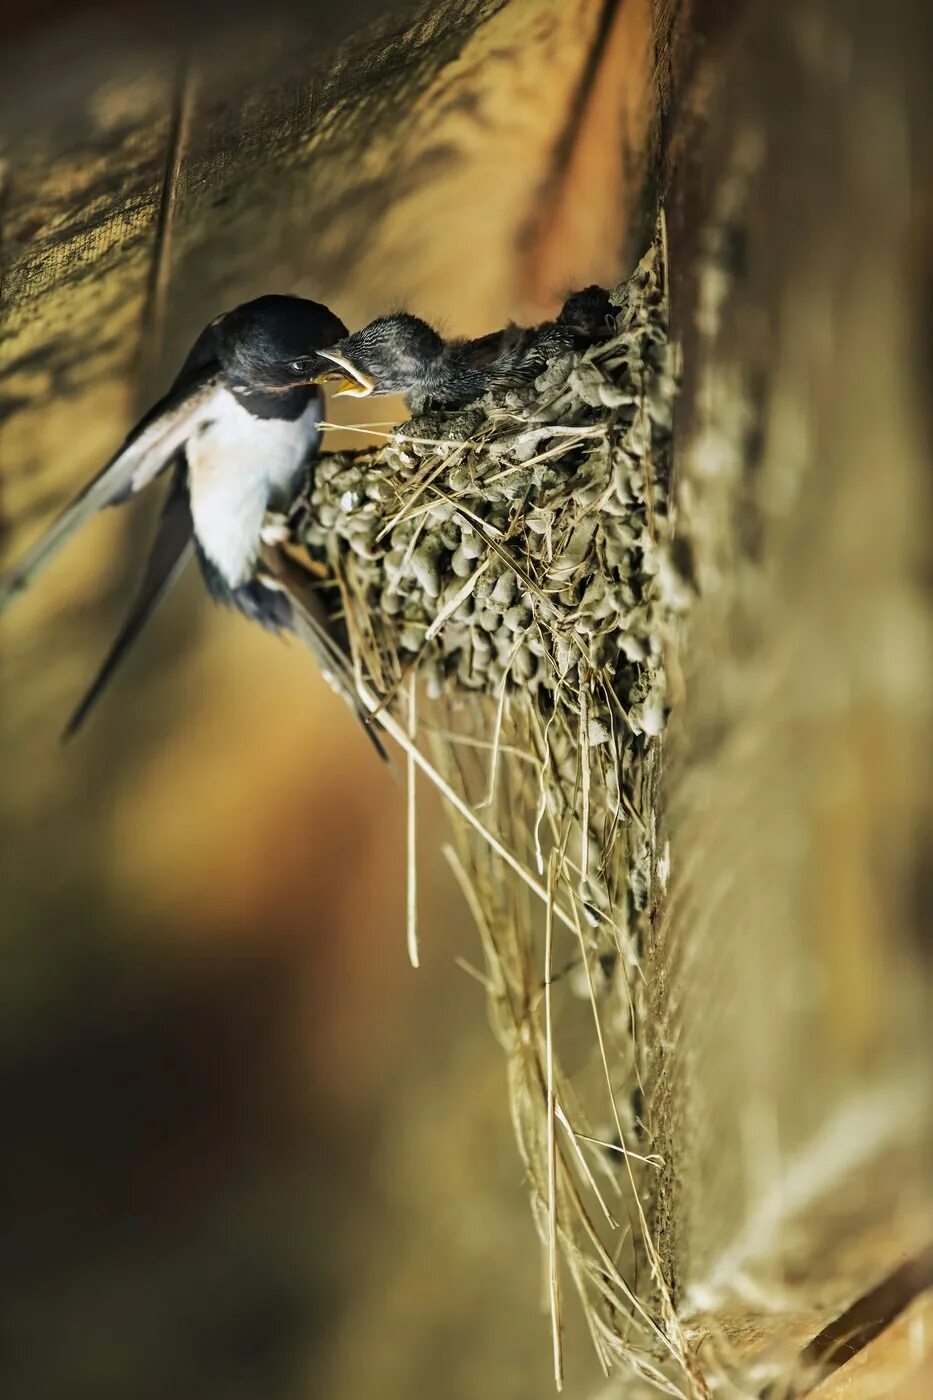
<point x="513" y="561"/>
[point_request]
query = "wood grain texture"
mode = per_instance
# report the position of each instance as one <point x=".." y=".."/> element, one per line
<point x="608" y="145"/>
<point x="790" y="1076"/>
<point x="898" y="1365"/>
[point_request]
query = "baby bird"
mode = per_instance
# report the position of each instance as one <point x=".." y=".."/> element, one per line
<point x="401" y="354"/>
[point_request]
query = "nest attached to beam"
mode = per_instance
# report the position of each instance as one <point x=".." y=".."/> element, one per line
<point x="502" y="579"/>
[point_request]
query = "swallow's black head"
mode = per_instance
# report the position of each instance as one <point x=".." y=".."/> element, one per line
<point x="270" y="343"/>
<point x="395" y="354"/>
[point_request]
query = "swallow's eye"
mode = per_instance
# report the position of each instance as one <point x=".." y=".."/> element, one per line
<point x="300" y="366"/>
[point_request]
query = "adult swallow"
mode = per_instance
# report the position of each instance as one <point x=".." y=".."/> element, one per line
<point x="401" y="354"/>
<point x="238" y="429"/>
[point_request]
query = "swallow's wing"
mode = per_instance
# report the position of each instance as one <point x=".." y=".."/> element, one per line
<point x="483" y="351"/>
<point x="173" y="546"/>
<point x="333" y="663"/>
<point x="146" y="452"/>
<point x="504" y="346"/>
<point x="172" y="549"/>
<point x="310" y="625"/>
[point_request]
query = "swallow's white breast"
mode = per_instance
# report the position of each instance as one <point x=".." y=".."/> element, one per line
<point x="239" y="466"/>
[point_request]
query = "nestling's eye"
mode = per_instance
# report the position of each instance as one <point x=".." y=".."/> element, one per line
<point x="300" y="366"/>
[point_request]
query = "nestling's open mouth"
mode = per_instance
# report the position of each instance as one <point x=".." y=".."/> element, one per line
<point x="353" y="381"/>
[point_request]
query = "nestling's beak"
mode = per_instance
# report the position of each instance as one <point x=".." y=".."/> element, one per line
<point x="354" y="382"/>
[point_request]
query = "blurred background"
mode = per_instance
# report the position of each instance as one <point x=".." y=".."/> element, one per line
<point x="248" y="1151"/>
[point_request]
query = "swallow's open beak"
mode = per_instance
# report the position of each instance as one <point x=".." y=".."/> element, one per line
<point x="354" y="382"/>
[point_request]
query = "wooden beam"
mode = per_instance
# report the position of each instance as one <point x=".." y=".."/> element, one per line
<point x="896" y="1365"/>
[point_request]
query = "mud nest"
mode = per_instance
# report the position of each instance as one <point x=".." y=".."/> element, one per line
<point x="503" y="582"/>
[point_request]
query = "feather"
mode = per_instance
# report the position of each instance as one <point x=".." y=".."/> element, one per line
<point x="310" y="624"/>
<point x="172" y="549"/>
<point x="146" y="452"/>
<point x="334" y="665"/>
